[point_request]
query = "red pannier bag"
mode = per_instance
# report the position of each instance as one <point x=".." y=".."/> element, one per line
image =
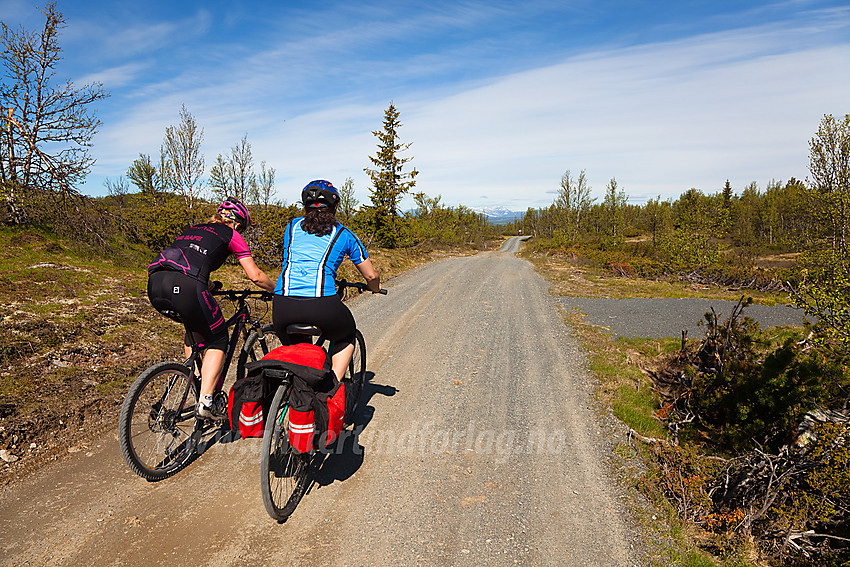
<point x="316" y="418"/>
<point x="336" y="413"/>
<point x="246" y="417"/>
<point x="317" y="399"/>
<point x="251" y="395"/>
<point x="301" y="429"/>
<point x="306" y="359"/>
<point x="247" y="403"/>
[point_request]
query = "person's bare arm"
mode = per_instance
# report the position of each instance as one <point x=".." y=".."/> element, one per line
<point x="368" y="271"/>
<point x="256" y="275"/>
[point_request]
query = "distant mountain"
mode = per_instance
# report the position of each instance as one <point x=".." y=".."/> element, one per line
<point x="499" y="215"/>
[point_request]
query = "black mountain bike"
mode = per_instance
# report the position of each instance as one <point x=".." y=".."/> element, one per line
<point x="158" y="429"/>
<point x="284" y="472"/>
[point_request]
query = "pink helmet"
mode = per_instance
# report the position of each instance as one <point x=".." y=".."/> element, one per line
<point x="233" y="209"/>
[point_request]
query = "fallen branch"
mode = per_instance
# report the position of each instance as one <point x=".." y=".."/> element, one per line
<point x="647" y="440"/>
<point x="811" y="533"/>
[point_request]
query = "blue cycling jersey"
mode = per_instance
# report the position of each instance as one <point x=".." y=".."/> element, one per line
<point x="310" y="262"/>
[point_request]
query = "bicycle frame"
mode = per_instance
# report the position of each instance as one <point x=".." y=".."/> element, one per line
<point x="156" y="435"/>
<point x="240" y="323"/>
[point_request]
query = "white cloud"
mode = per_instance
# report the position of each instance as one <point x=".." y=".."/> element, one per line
<point x="659" y="118"/>
<point x="114" y="77"/>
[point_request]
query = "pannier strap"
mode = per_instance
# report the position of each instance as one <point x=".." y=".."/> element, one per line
<point x="281" y="370"/>
<point x="280" y="374"/>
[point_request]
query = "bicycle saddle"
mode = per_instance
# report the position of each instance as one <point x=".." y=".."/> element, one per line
<point x="303" y="329"/>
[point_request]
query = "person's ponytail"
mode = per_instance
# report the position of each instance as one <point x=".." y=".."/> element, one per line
<point x="319" y="221"/>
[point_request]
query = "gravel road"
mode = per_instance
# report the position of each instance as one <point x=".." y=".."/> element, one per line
<point x="477" y="446"/>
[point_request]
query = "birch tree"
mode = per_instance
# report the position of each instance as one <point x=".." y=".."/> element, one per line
<point x="573" y="202"/>
<point x="47" y="124"/>
<point x="183" y="163"/>
<point x="233" y="175"/>
<point x="825" y="290"/>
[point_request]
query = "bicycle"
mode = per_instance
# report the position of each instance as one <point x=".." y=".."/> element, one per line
<point x="158" y="428"/>
<point x="284" y="472"/>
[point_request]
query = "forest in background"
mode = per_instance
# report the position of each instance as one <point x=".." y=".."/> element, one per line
<point x="752" y="238"/>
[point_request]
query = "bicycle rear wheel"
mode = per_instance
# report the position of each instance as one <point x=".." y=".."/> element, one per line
<point x="257" y="345"/>
<point x="283" y="471"/>
<point x="356" y="374"/>
<point x="157" y="421"/>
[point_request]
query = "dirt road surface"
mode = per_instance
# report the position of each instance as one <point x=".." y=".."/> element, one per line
<point x="477" y="445"/>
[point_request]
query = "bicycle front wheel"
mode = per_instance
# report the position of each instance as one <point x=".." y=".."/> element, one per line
<point x="157" y="421"/>
<point x="283" y="471"/>
<point x="257" y="345"/>
<point x="356" y="374"/>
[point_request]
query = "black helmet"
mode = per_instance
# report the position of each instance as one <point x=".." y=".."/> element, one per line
<point x="320" y="194"/>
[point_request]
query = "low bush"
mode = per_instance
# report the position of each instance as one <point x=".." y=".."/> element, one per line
<point x="764" y="449"/>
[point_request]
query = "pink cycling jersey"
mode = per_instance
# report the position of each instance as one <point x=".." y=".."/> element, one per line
<point x="200" y="250"/>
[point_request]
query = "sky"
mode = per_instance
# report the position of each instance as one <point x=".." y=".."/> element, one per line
<point x="498" y="99"/>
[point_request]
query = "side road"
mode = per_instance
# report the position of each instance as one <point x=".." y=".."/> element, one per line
<point x="661" y="317"/>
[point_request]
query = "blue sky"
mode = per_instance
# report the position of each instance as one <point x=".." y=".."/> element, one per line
<point x="498" y="98"/>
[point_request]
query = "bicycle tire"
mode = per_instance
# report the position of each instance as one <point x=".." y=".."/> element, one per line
<point x="256" y="346"/>
<point x="283" y="471"/>
<point x="157" y="421"/>
<point x="356" y="374"/>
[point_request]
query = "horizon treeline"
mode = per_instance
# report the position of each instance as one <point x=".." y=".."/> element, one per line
<point x="690" y="231"/>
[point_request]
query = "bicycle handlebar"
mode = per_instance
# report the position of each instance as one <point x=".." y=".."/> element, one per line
<point x="239" y="295"/>
<point x="359" y="286"/>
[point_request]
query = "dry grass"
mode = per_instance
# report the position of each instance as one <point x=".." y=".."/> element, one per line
<point x="571" y="278"/>
<point x="788" y="260"/>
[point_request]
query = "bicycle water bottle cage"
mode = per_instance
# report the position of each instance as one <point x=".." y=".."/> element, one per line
<point x="302" y="329"/>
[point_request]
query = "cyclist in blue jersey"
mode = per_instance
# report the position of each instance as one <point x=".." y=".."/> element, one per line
<point x="314" y="246"/>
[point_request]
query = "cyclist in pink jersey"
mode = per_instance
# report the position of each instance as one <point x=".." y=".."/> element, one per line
<point x="178" y="284"/>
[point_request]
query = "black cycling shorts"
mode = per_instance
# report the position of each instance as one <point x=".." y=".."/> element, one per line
<point x="328" y="313"/>
<point x="192" y="300"/>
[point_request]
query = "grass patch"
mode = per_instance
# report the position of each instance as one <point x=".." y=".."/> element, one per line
<point x="58" y="309"/>
<point x="112" y="381"/>
<point x="574" y="279"/>
<point x="635" y="408"/>
<point x="622" y="384"/>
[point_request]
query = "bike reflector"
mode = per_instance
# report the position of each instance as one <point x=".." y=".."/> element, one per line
<point x="301" y="430"/>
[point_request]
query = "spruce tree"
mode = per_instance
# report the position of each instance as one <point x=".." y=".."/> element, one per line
<point x="389" y="182"/>
<point x="727" y="195"/>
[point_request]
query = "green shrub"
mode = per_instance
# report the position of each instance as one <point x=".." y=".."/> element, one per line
<point x="754" y="401"/>
<point x="265" y="237"/>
